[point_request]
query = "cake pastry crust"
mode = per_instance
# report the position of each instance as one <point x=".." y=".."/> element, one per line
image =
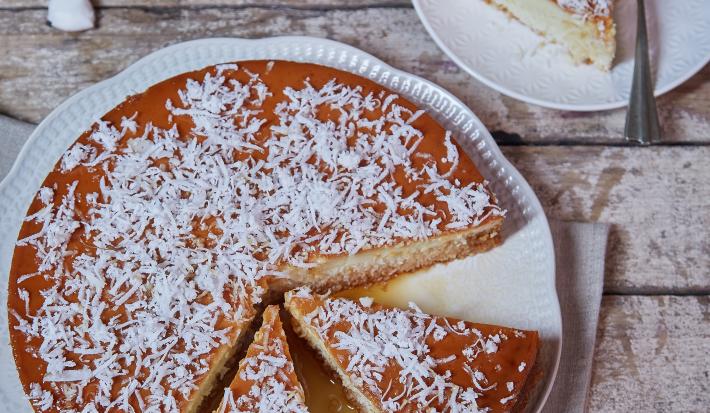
<point x="164" y="230"/>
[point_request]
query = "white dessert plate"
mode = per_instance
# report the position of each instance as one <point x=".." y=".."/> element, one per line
<point x="507" y="56"/>
<point x="512" y="285"/>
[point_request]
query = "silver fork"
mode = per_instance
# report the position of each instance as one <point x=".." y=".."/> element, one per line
<point x="641" y="117"/>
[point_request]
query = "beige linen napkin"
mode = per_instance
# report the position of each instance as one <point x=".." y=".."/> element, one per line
<point x="579" y="248"/>
<point x="13" y="134"/>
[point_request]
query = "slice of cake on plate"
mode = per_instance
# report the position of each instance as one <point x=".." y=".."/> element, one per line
<point x="394" y="360"/>
<point x="584" y="27"/>
<point x="266" y="381"/>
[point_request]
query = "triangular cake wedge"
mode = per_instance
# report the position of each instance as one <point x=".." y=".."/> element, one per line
<point x="266" y="381"/>
<point x="394" y="360"/>
<point x="585" y="27"/>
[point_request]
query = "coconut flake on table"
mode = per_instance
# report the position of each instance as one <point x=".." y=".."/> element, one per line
<point x="71" y="15"/>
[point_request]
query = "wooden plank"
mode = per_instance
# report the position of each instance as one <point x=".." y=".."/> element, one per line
<point x="17" y="4"/>
<point x="44" y="66"/>
<point x="656" y="198"/>
<point x="652" y="355"/>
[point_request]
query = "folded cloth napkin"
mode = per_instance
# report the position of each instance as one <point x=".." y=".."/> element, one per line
<point x="580" y="250"/>
<point x="13" y="134"/>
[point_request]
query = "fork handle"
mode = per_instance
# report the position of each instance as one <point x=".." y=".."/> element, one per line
<point x="642" y="117"/>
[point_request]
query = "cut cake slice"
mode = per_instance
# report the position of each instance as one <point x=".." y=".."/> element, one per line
<point x="266" y="381"/>
<point x="394" y="360"/>
<point x="585" y="27"/>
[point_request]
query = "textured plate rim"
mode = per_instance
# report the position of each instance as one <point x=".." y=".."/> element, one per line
<point x="490" y="144"/>
<point x="593" y="107"/>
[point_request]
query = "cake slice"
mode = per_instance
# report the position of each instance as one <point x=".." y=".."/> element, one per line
<point x="394" y="360"/>
<point x="584" y="27"/>
<point x="266" y="381"/>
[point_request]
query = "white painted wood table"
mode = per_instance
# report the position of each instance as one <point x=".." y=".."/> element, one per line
<point x="653" y="347"/>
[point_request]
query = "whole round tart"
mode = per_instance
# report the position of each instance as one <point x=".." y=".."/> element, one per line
<point x="165" y="228"/>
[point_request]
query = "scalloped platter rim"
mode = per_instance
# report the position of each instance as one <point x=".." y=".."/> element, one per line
<point x="513" y="284"/>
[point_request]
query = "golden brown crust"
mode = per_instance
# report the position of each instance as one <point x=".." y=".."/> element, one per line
<point x="379" y="265"/>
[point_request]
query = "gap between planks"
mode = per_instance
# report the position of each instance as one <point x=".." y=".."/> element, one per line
<point x="505" y="139"/>
<point x="643" y="292"/>
<point x="317" y="5"/>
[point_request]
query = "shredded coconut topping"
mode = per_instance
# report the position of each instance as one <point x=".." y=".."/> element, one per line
<point x="272" y="396"/>
<point x="587" y="8"/>
<point x="187" y="226"/>
<point x="268" y="371"/>
<point x="389" y="353"/>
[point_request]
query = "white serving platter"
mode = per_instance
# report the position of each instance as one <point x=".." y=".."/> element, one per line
<point x="512" y="285"/>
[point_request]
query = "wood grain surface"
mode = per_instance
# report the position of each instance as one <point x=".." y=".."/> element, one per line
<point x="657" y="198"/>
<point x="306" y="4"/>
<point x="652" y="355"/>
<point x="36" y="55"/>
<point x="654" y="331"/>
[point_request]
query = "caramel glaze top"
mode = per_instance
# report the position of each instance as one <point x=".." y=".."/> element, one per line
<point x="267" y="371"/>
<point x="149" y="107"/>
<point x="505" y="367"/>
